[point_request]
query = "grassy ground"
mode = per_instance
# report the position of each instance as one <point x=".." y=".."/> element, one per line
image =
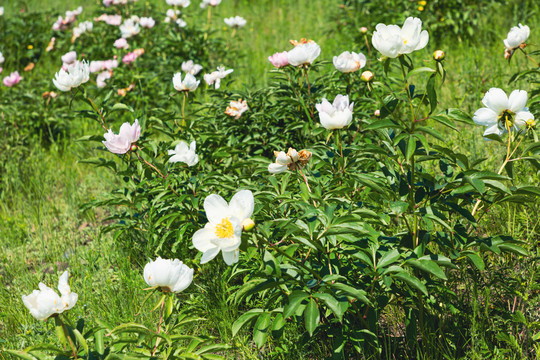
<point x="43" y="231"/>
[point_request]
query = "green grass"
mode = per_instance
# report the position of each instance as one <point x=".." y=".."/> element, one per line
<point x="43" y="231"/>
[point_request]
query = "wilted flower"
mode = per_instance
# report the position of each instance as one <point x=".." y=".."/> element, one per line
<point x="216" y="76"/>
<point x="236" y="21"/>
<point x="121" y="44"/>
<point x="13" y="79"/>
<point x="29" y="67"/>
<point x="49" y="94"/>
<point x="50" y="47"/>
<point x="392" y="41"/>
<point x="337" y="115"/>
<point x="46" y="302"/>
<point x="236" y="108"/>
<point x="292" y="160"/>
<point x="124" y="91"/>
<point x="205" y="3"/>
<point x="502" y="113"/>
<point x="170" y="275"/>
<point x="279" y="59"/>
<point x="73" y="76"/>
<point x="182" y="3"/>
<point x="304" y="53"/>
<point x="121" y="143"/>
<point x="516" y="37"/>
<point x="185" y="154"/>
<point x="348" y="62"/>
<point x="191" y="68"/>
<point x="129" y="28"/>
<point x="224" y="228"/>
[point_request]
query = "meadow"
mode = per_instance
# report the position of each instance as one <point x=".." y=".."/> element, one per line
<point x="394" y="230"/>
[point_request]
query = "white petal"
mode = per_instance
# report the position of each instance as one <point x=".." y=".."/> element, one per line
<point x="231" y="257"/>
<point x="485" y="117"/>
<point x="496" y="100"/>
<point x="517" y="100"/>
<point x="202" y="239"/>
<point x="242" y="204"/>
<point x="216" y="208"/>
<point x="209" y="255"/>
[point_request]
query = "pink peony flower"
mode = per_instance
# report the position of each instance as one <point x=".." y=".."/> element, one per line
<point x="121" y="143"/>
<point x="279" y="59"/>
<point x="129" y="58"/>
<point x="121" y="44"/>
<point x="12" y="79"/>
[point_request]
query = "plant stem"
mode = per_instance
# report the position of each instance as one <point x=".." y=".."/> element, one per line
<point x="305" y="179"/>
<point x="66" y="332"/>
<point x="156" y="169"/>
<point x="159" y="327"/>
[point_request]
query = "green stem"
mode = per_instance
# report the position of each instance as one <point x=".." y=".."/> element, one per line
<point x="66" y="333"/>
<point x="159" y="328"/>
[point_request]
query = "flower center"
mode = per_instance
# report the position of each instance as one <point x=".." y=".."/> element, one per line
<point x="225" y="229"/>
<point x="506" y="119"/>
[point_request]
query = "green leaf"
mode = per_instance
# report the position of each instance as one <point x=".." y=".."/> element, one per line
<point x="99" y="340"/>
<point x="388" y="258"/>
<point x="411" y="147"/>
<point x="261" y="329"/>
<point x="332" y="304"/>
<point x="384" y="123"/>
<point x="420" y="70"/>
<point x="120" y="106"/>
<point x="244" y="319"/>
<point x="19" y="354"/>
<point x="349" y="290"/>
<point x="428" y="266"/>
<point x="312" y="316"/>
<point x="81" y="340"/>
<point x="432" y="94"/>
<point x="411" y="280"/>
<point x="475" y="259"/>
<point x="295" y="299"/>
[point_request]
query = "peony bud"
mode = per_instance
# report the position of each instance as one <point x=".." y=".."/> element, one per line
<point x="438" y="55"/>
<point x="377" y="113"/>
<point x="363" y="30"/>
<point x="367" y="76"/>
<point x="248" y="224"/>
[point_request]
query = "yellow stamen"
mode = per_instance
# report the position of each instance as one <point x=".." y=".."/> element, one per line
<point x="225" y="229"/>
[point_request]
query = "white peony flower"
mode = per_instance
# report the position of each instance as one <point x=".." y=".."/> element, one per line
<point x="205" y="3"/>
<point x="191" y="68"/>
<point x="215" y="77"/>
<point x="224" y="228"/>
<point x="1" y="10"/>
<point x="73" y="76"/>
<point x="236" y="21"/>
<point x="304" y="53"/>
<point x="147" y="22"/>
<point x="189" y="83"/>
<point x="182" y="3"/>
<point x="392" y="41"/>
<point x="348" y="62"/>
<point x="121" y="143"/>
<point x="181" y="23"/>
<point x="170" y="275"/>
<point x="337" y="115"/>
<point x="83" y="27"/>
<point x="2" y="59"/>
<point x="129" y="28"/>
<point x="102" y="76"/>
<point x="185" y="154"/>
<point x="45" y="302"/>
<point x="516" y="37"/>
<point x="502" y="113"/>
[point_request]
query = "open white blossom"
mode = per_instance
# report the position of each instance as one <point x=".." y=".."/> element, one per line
<point x="121" y="143"/>
<point x="224" y="228"/>
<point x="503" y="113"/>
<point x="337" y="115"/>
<point x="46" y="302"/>
<point x="236" y="108"/>
<point x="304" y="53"/>
<point x="516" y="37"/>
<point x="182" y="3"/>
<point x="191" y="68"/>
<point x="236" y="21"/>
<point x="147" y="22"/>
<point x="170" y="275"/>
<point x="188" y="84"/>
<point x="129" y="28"/>
<point x="215" y="77"/>
<point x="205" y="3"/>
<point x="75" y="75"/>
<point x="185" y="154"/>
<point x="348" y="62"/>
<point x="392" y="41"/>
